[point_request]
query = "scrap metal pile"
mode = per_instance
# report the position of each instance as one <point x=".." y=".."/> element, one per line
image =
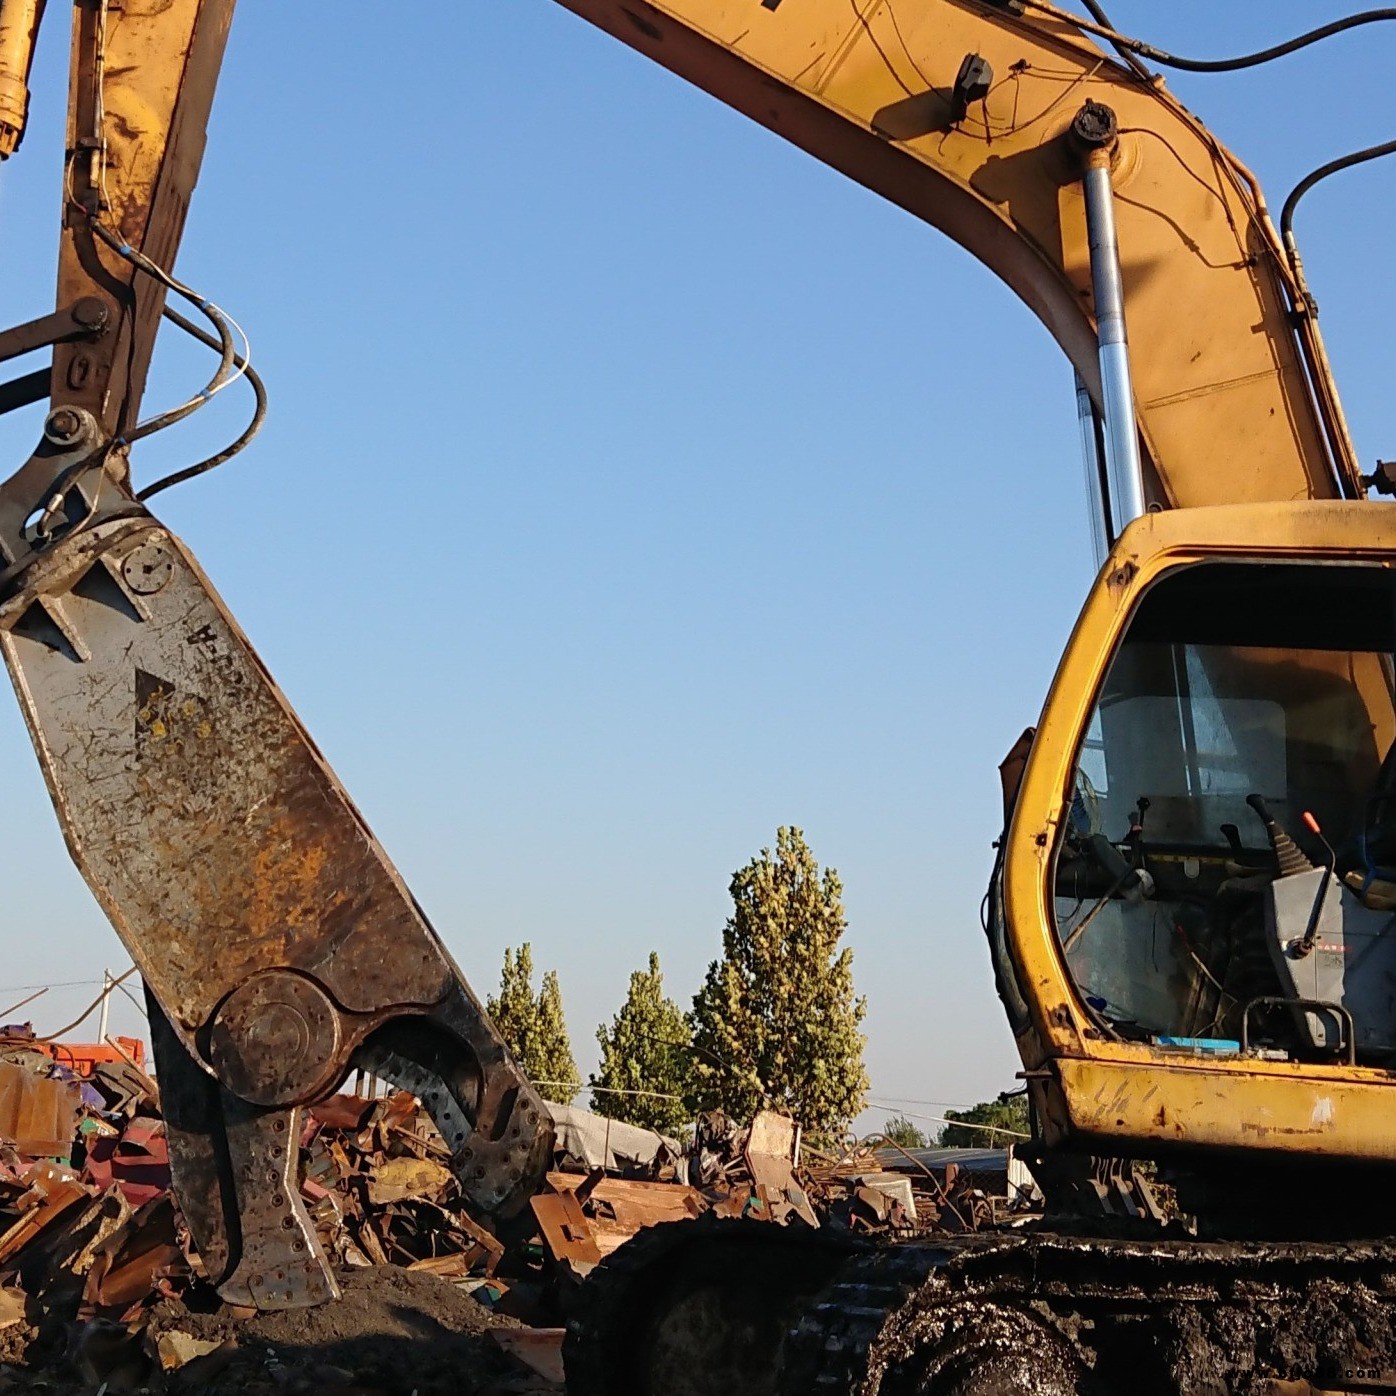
<point x="100" y="1282"/>
<point x="89" y="1228"/>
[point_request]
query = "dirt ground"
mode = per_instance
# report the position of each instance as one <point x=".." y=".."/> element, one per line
<point x="392" y="1334"/>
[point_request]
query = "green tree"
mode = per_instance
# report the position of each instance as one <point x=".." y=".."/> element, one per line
<point x="515" y="1010"/>
<point x="1000" y="1122"/>
<point x="901" y="1131"/>
<point x="533" y="1026"/>
<point x="776" y="1021"/>
<point x="645" y="1049"/>
<point x="555" y="1063"/>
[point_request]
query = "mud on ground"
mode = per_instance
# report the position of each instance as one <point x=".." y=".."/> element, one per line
<point x="393" y="1333"/>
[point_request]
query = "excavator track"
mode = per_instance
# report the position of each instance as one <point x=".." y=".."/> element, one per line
<point x="1070" y="1316"/>
<point x="1007" y="1314"/>
<point x="699" y="1306"/>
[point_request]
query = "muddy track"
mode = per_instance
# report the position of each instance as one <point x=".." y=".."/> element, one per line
<point x="1034" y="1313"/>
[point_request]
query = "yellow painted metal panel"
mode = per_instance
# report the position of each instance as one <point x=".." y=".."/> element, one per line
<point x="1129" y="1094"/>
<point x="1221" y="380"/>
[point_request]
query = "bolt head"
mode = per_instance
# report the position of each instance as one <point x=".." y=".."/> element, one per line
<point x="91" y="313"/>
<point x="63" y="425"/>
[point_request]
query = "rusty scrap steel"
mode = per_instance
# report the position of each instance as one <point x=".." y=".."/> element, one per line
<point x="136" y="1161"/>
<point x="566" y="1231"/>
<point x="128" y="1265"/>
<point x="38" y="1114"/>
<point x="51" y="1193"/>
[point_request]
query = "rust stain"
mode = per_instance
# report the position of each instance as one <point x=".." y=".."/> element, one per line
<point x="1263" y="1131"/>
<point x="287" y="883"/>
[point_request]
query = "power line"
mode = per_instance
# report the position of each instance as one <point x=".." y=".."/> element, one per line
<point x="61" y="984"/>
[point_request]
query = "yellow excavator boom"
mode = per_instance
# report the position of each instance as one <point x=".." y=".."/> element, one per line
<point x="1234" y="399"/>
<point x="1183" y="980"/>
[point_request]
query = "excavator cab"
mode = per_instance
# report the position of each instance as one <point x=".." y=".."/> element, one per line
<point x="1196" y="937"/>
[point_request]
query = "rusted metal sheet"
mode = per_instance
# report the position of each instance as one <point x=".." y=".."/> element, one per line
<point x="616" y="1208"/>
<point x="539" y="1349"/>
<point x="38" y="1114"/>
<point x="136" y="1160"/>
<point x="396" y="1178"/>
<point x="51" y="1195"/>
<point x="566" y="1231"/>
<point x="128" y="1264"/>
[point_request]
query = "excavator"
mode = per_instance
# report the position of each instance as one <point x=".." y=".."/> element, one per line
<point x="1192" y="922"/>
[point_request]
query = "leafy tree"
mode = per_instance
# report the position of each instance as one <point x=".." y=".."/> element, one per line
<point x="555" y="1062"/>
<point x="533" y="1027"/>
<point x="1006" y="1118"/>
<point x="901" y="1131"/>
<point x="776" y="1021"/>
<point x="645" y="1049"/>
<point x="514" y="1011"/>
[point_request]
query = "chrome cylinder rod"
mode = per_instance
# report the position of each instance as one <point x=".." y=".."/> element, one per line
<point x="1126" y="473"/>
<point x="1097" y="486"/>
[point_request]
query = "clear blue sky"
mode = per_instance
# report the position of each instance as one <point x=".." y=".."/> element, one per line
<point x="632" y="487"/>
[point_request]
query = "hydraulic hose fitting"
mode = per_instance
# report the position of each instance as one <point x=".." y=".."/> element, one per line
<point x="19" y="23"/>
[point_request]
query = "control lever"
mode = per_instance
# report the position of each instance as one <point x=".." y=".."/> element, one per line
<point x="1134" y="884"/>
<point x="1305" y="944"/>
<point x="1293" y="861"/>
<point x="1290" y="857"/>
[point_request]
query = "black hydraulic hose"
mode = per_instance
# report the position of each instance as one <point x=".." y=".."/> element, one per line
<point x="259" y="414"/>
<point x="1098" y="13"/>
<point x="1345" y="162"/>
<point x="227" y="348"/>
<point x="1266" y="55"/>
<point x="1102" y="28"/>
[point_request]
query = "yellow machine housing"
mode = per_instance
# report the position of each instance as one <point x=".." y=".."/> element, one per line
<point x="1170" y="1088"/>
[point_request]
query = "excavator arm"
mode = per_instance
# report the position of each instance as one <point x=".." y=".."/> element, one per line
<point x="278" y="945"/>
<point x="961" y="112"/>
<point x="277" y="942"/>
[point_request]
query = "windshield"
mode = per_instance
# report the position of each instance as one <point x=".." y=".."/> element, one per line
<point x="1232" y="682"/>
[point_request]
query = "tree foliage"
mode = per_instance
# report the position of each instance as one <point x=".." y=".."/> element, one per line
<point x="1006" y="1118"/>
<point x="533" y="1026"/>
<point x="901" y="1131"/>
<point x="776" y="1021"/>
<point x="644" y="1050"/>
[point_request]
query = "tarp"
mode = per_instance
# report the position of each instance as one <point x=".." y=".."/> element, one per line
<point x="593" y="1141"/>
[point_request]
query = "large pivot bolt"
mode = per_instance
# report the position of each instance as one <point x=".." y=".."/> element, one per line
<point x="91" y="313"/>
<point x="67" y="427"/>
<point x="275" y="1040"/>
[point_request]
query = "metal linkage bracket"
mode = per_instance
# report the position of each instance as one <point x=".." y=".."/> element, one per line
<point x="86" y="319"/>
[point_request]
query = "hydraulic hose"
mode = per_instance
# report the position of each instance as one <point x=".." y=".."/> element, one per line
<point x="1345" y="162"/>
<point x="1102" y="28"/>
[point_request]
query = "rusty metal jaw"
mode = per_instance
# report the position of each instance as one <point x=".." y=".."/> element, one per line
<point x="497" y="1128"/>
<point x="234" y="1163"/>
<point x="233" y="1167"/>
<point x="276" y="937"/>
